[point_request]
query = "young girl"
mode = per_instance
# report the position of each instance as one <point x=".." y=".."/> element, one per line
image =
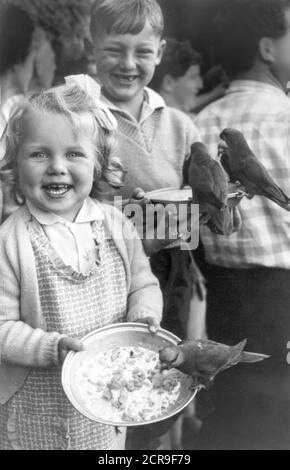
<point x="69" y="265"/>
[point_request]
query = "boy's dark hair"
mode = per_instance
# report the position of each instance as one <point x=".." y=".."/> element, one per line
<point x="177" y="58"/>
<point x="239" y="27"/>
<point x="125" y="17"/>
<point x="16" y="33"/>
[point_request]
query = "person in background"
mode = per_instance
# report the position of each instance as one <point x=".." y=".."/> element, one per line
<point x="75" y="48"/>
<point x="66" y="23"/>
<point x="215" y="84"/>
<point x="248" y="273"/>
<point x="179" y="81"/>
<point x="45" y="61"/>
<point x="17" y="57"/>
<point x="69" y="265"/>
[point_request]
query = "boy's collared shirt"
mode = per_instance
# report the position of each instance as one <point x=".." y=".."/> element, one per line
<point x="73" y="241"/>
<point x="151" y="102"/>
<point x="262" y="113"/>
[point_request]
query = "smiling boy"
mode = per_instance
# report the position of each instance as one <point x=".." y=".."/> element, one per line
<point x="153" y="140"/>
<point x="126" y="64"/>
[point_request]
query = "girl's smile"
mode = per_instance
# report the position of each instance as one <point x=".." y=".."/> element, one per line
<point x="56" y="190"/>
<point x="55" y="164"/>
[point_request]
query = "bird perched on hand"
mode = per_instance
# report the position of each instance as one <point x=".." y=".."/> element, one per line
<point x="209" y="187"/>
<point x="204" y="359"/>
<point x="242" y="165"/>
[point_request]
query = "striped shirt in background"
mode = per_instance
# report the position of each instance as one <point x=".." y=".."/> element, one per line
<point x="262" y="113"/>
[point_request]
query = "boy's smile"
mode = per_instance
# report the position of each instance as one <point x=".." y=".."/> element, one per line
<point x="126" y="64"/>
<point x="55" y="165"/>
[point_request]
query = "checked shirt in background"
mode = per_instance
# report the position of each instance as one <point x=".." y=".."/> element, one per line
<point x="262" y="113"/>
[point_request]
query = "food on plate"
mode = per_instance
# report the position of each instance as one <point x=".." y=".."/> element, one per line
<point x="126" y="384"/>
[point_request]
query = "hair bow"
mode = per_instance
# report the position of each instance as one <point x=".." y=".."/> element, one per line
<point x="93" y="89"/>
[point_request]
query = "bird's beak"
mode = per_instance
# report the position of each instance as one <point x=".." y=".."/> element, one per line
<point x="222" y="147"/>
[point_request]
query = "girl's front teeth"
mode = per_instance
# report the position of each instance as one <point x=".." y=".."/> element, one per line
<point x="57" y="190"/>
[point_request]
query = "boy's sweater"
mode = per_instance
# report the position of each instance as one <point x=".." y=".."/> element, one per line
<point x="23" y="339"/>
<point x="153" y="150"/>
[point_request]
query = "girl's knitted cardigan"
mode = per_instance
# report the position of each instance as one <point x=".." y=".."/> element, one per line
<point x="24" y="342"/>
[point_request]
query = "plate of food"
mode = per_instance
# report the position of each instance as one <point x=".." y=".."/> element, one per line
<point x="119" y="380"/>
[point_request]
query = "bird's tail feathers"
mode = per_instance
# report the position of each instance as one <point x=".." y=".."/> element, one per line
<point x="239" y="355"/>
<point x="278" y="196"/>
<point x="284" y="205"/>
<point x="252" y="357"/>
<point x="236" y="352"/>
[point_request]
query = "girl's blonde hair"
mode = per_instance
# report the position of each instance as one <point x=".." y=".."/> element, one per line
<point x="79" y="108"/>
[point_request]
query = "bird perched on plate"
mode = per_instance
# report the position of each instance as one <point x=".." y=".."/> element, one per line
<point x="204" y="359"/>
<point x="209" y="187"/>
<point x="242" y="165"/>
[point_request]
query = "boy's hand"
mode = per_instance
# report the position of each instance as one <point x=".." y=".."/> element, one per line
<point x="139" y="197"/>
<point x="138" y="193"/>
<point x="67" y="344"/>
<point x="152" y="323"/>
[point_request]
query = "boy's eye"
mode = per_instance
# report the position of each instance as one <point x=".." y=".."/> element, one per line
<point x="145" y="52"/>
<point x="112" y="50"/>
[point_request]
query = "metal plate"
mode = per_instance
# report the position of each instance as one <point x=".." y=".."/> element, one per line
<point x="184" y="195"/>
<point x="167" y="195"/>
<point x="122" y="334"/>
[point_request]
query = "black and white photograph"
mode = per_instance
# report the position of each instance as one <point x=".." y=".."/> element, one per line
<point x="144" y="227"/>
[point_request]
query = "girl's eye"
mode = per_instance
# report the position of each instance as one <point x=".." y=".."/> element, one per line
<point x="39" y="155"/>
<point x="75" y="155"/>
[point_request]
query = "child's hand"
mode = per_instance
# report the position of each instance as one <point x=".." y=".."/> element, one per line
<point x="139" y="197"/>
<point x="67" y="344"/>
<point x="152" y="323"/>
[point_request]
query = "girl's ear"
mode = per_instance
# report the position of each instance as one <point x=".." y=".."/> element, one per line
<point x="97" y="174"/>
<point x="18" y="194"/>
<point x="267" y="49"/>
